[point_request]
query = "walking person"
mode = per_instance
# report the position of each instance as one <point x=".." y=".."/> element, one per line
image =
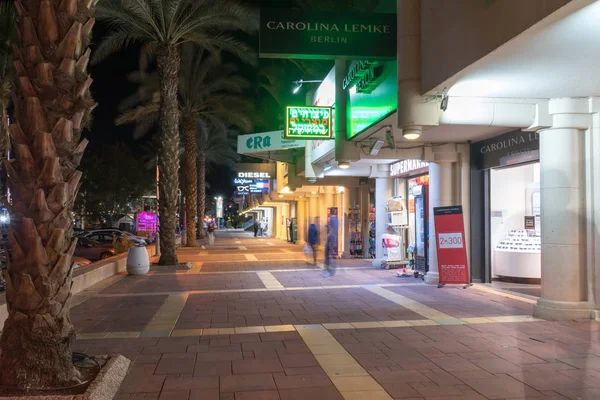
<point x="211" y="233"/>
<point x="255" y="228"/>
<point x="313" y="238"/>
<point x="330" y="251"/>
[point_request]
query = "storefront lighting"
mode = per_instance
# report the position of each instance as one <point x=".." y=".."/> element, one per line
<point x="411" y="133"/>
<point x="280" y="196"/>
<point x="314" y="192"/>
<point x="344" y="165"/>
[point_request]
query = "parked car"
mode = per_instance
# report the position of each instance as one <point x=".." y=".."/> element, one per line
<point x="106" y="236"/>
<point x="92" y="250"/>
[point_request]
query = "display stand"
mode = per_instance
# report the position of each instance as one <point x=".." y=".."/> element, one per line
<point x="395" y="258"/>
<point x="355" y="228"/>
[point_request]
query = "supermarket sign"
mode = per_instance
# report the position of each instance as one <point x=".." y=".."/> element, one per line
<point x="308" y="123"/>
<point x="407" y="166"/>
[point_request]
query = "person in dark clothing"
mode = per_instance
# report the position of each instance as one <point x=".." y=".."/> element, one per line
<point x="255" y="228"/>
<point x="330" y="244"/>
<point x="313" y="238"/>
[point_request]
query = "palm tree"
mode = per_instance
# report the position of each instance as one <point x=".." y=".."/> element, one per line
<point x="208" y="89"/>
<point x="8" y="37"/>
<point x="52" y="104"/>
<point x="217" y="145"/>
<point x="162" y="26"/>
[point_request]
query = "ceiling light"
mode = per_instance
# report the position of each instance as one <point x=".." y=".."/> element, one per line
<point x="344" y="165"/>
<point x="376" y="147"/>
<point x="314" y="192"/>
<point x="280" y="196"/>
<point x="411" y="133"/>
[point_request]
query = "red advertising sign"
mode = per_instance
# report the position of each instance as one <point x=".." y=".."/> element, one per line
<point x="450" y="244"/>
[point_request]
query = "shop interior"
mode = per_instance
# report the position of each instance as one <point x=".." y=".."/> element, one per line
<point x="515" y="224"/>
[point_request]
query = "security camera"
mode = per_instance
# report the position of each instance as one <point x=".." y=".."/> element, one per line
<point x="389" y="138"/>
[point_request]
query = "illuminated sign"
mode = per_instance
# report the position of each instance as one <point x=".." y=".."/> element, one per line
<point x="264" y="175"/>
<point x="266" y="142"/>
<point x="406" y="166"/>
<point x="327" y="35"/>
<point x="308" y="123"/>
<point x="245" y="186"/>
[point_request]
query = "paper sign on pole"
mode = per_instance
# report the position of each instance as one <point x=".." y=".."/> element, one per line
<point x="450" y="245"/>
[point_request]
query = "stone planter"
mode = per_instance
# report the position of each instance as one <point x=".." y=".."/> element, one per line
<point x="138" y="262"/>
<point x="103" y="387"/>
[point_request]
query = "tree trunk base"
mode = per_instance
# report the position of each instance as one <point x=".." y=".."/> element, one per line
<point x="167" y="258"/>
<point x="104" y="386"/>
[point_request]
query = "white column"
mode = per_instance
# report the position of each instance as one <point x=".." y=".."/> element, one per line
<point x="301" y="218"/>
<point x="383" y="191"/>
<point x="563" y="193"/>
<point x="313" y="209"/>
<point x="465" y="199"/>
<point x="440" y="195"/>
<point x="345" y="222"/>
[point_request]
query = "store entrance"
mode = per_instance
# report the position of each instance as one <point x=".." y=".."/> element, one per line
<point x="515" y="226"/>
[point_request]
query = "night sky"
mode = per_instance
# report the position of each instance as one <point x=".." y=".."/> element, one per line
<point x="111" y="86"/>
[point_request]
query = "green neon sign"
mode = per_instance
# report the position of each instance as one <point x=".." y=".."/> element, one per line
<point x="308" y="123"/>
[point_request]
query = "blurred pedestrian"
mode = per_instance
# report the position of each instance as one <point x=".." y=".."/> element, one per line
<point x="211" y="233"/>
<point x="330" y="243"/>
<point x="255" y="228"/>
<point x="313" y="238"/>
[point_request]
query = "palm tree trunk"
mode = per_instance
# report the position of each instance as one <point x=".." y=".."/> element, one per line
<point x="201" y="191"/>
<point x="191" y="179"/>
<point x="52" y="104"/>
<point x="168" y="156"/>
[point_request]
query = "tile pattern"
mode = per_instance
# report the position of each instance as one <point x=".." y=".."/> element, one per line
<point x="339" y="338"/>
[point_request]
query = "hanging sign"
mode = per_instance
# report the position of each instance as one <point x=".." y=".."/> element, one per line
<point x="450" y="244"/>
<point x="308" y="123"/>
<point x="291" y="34"/>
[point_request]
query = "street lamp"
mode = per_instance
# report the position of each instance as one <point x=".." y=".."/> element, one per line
<point x="298" y="84"/>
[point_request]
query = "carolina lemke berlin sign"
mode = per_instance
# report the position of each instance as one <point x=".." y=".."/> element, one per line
<point x="308" y="123"/>
<point x="325" y="35"/>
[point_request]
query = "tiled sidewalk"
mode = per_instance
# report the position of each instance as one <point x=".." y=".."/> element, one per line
<point x="278" y="330"/>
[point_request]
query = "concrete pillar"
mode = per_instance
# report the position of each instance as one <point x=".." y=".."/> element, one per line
<point x="363" y="201"/>
<point x="383" y="191"/>
<point x="345" y="222"/>
<point x="563" y="219"/>
<point x="301" y="218"/>
<point x="313" y="208"/>
<point x="440" y="195"/>
<point x="465" y="199"/>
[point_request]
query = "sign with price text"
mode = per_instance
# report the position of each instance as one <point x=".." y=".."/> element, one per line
<point x="308" y="123"/>
<point x="450" y="244"/>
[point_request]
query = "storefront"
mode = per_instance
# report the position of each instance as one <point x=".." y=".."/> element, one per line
<point x="411" y="183"/>
<point x="505" y="192"/>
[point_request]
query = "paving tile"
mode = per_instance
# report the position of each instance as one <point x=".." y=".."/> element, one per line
<point x="367" y="395"/>
<point x="256" y="366"/>
<point x="400" y="390"/>
<point x="430" y="389"/>
<point x="247" y="383"/>
<point x="502" y="387"/>
<point x="320" y="393"/>
<point x="299" y="381"/>
<point x="497" y="365"/>
<point x="176" y="364"/>
<point x="355" y="383"/>
<point x="263" y="395"/>
<point x="399" y="376"/>
<point x="176" y="395"/>
<point x="298" y="360"/>
<point x="177" y="383"/>
<point x="203" y="394"/>
<point x="547" y="380"/>
<point x="212" y="368"/>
